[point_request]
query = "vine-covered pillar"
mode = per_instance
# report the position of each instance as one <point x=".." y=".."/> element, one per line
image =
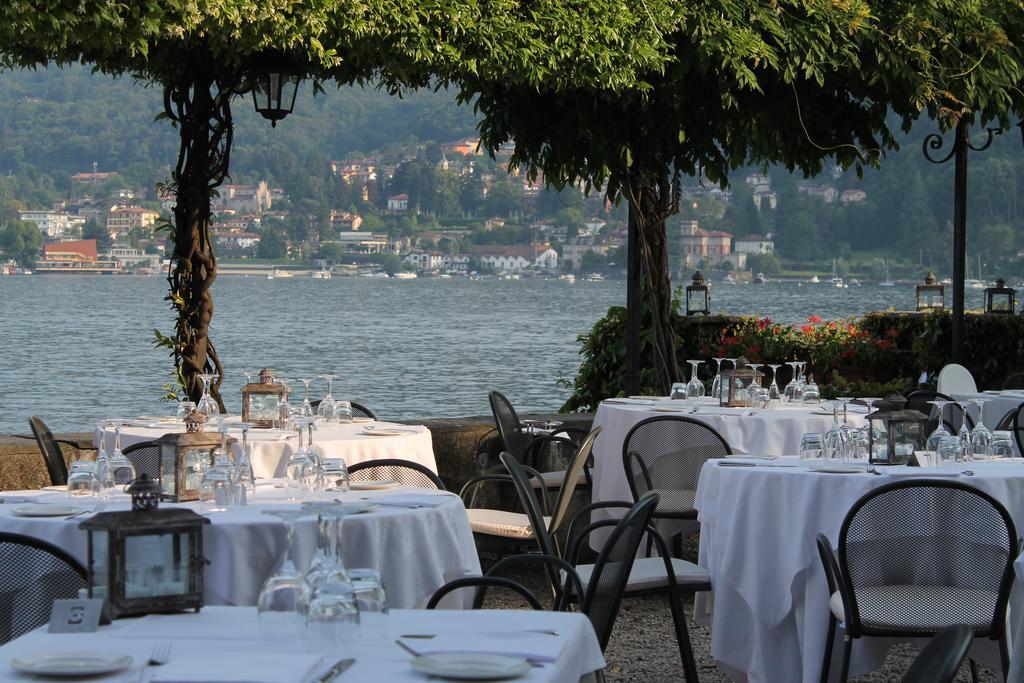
<point x="199" y="105"/>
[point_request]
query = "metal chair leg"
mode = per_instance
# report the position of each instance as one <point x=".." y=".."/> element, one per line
<point x="826" y="661"/>
<point x="683" y="637"/>
<point x="1004" y="656"/>
<point x="974" y="670"/>
<point x="847" y="649"/>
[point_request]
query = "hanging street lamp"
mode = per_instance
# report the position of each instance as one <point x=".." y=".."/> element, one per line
<point x="698" y="296"/>
<point x="274" y="79"/>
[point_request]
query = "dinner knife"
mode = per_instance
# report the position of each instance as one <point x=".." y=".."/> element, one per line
<point x="336" y="670"/>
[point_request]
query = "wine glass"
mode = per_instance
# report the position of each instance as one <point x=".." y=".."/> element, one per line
<point x="299" y="468"/>
<point x="316" y="480"/>
<point x="284" y="408"/>
<point x="695" y="388"/>
<point x="306" y="408"/>
<point x="284" y="599"/>
<point x="120" y="468"/>
<point x="810" y="392"/>
<point x="716" y="384"/>
<point x="980" y="435"/>
<point x="835" y="440"/>
<point x="326" y="408"/>
<point x="773" y="389"/>
<point x="82" y="479"/>
<point x="791" y="388"/>
<point x="371" y="600"/>
<point x="938" y="407"/>
<point x="811" y="446"/>
<point x="245" y="478"/>
<point x="103" y="478"/>
<point x="207" y="406"/>
<point x="333" y="616"/>
<point x="965" y="432"/>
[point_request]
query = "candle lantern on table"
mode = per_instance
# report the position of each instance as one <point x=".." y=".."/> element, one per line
<point x="737" y="384"/>
<point x="146" y="561"/>
<point x="895" y="432"/>
<point x="931" y="295"/>
<point x="261" y="400"/>
<point x="1000" y="299"/>
<point x="183" y="460"/>
<point x="698" y="296"/>
<point x="145" y="493"/>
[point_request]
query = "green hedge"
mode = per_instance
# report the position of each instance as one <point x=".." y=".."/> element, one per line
<point x="868" y="356"/>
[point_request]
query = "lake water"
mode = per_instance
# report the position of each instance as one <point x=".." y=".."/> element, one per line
<point x="78" y="348"/>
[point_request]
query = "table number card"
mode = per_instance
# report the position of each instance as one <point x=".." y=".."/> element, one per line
<point x="80" y="615"/>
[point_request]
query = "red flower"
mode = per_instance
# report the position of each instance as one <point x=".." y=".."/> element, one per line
<point x="764" y="323"/>
<point x="815" y="319"/>
<point x="807" y="329"/>
<point x="832" y="326"/>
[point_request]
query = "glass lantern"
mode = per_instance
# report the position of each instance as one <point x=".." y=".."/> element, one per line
<point x="261" y="400"/>
<point x="698" y="296"/>
<point x="146" y="561"/>
<point x="737" y="383"/>
<point x="274" y="80"/>
<point x="145" y="493"/>
<point x="895" y="432"/>
<point x="1000" y="299"/>
<point x="931" y="295"/>
<point x="183" y="460"/>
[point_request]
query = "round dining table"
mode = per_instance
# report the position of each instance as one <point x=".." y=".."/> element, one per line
<point x="418" y="539"/>
<point x="357" y="441"/>
<point x="759" y="521"/>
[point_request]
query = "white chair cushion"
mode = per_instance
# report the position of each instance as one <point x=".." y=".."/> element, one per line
<point x="956" y="379"/>
<point x="649" y="572"/>
<point x="553" y="480"/>
<point x="501" y="523"/>
<point x="919" y="608"/>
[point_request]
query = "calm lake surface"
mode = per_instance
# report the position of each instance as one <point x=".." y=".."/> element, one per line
<point x="78" y="348"/>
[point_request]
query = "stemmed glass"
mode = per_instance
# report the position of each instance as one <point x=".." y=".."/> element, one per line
<point x="326" y="408"/>
<point x="120" y="468"/>
<point x="284" y="599"/>
<point x="790" y="391"/>
<point x="284" y="408"/>
<point x="207" y="405"/>
<point x="245" y="493"/>
<point x="299" y="468"/>
<point x="695" y="388"/>
<point x="317" y="476"/>
<point x="716" y="384"/>
<point x="773" y="388"/>
<point x="938" y="406"/>
<point x="965" y="432"/>
<point x="835" y="439"/>
<point x="103" y="477"/>
<point x="332" y="616"/>
<point x="306" y="408"/>
<point x="980" y="435"/>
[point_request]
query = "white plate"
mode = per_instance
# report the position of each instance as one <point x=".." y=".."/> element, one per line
<point x="471" y="666"/>
<point x="356" y="508"/>
<point x="372" y="484"/>
<point x="42" y="510"/>
<point x="838" y="469"/>
<point x="384" y="432"/>
<point x="68" y="664"/>
<point x="649" y="398"/>
<point x="359" y="420"/>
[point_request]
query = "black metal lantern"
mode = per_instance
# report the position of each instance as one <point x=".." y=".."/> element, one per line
<point x="145" y="493"/>
<point x="895" y="432"/>
<point x="737" y="384"/>
<point x="698" y="296"/>
<point x="931" y="295"/>
<point x="1000" y="299"/>
<point x="274" y="80"/>
<point x="183" y="460"/>
<point x="145" y="562"/>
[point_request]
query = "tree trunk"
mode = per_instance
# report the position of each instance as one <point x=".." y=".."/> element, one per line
<point x="199" y="105"/>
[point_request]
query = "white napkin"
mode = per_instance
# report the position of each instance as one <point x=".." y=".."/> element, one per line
<point x="539" y="646"/>
<point x="229" y="623"/>
<point x="410" y="500"/>
<point x="239" y="667"/>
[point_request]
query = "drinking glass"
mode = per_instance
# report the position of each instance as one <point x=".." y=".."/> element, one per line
<point x="343" y="411"/>
<point x="834" y="441"/>
<point x="245" y="478"/>
<point x="184" y="408"/>
<point x="207" y="406"/>
<point x="790" y="392"/>
<point x="773" y="389"/>
<point x="938" y="407"/>
<point x="120" y="470"/>
<point x="82" y="479"/>
<point x="810" y="393"/>
<point x="326" y="408"/>
<point x="306" y="408"/>
<point x="284" y="599"/>
<point x="248" y="375"/>
<point x="371" y="601"/>
<point x="949" y="451"/>
<point x="695" y="388"/>
<point x="1001" y="445"/>
<point x="216" y="488"/>
<point x="333" y="616"/>
<point x="335" y="473"/>
<point x="678" y="391"/>
<point x="284" y="408"/>
<point x="716" y="384"/>
<point x="811" y="446"/>
<point x="859" y="444"/>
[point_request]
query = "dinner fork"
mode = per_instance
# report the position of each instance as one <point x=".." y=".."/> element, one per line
<point x="160" y="655"/>
<point x="100" y="506"/>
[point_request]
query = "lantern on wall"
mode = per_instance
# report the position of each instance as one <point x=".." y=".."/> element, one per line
<point x="146" y="561"/>
<point x="698" y="296"/>
<point x="261" y="400"/>
<point x="1000" y="299"/>
<point x="274" y="79"/>
<point x="183" y="460"/>
<point x="895" y="432"/>
<point x="931" y="295"/>
<point x="737" y="384"/>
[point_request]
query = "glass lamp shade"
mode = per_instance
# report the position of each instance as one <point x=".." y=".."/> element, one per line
<point x="1000" y="299"/>
<point x="931" y="295"/>
<point x="273" y="90"/>
<point x="698" y="296"/>
<point x="895" y="432"/>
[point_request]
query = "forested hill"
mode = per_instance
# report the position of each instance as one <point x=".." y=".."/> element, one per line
<point x="57" y="122"/>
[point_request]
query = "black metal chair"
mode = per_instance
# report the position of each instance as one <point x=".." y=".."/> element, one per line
<point x="916" y="557"/>
<point x="602" y="594"/>
<point x="50" y="448"/>
<point x="546" y="453"/>
<point x="144" y="457"/>
<point x="1017" y="426"/>
<point x="1014" y="381"/>
<point x="34" y="574"/>
<point x="941" y="658"/>
<point x="665" y="454"/>
<point x="405" y="472"/>
<point x="358" y="409"/>
<point x="649" y="575"/>
<point x="952" y="414"/>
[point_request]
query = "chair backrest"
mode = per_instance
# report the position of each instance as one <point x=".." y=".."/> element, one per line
<point x="952" y="538"/>
<point x="144" y="457"/>
<point x="666" y="454"/>
<point x="602" y="595"/>
<point x="1017" y="425"/>
<point x="52" y="456"/>
<point x="952" y="414"/>
<point x="34" y="574"/>
<point x="481" y="584"/>
<point x="514" y="440"/>
<point x="940" y="660"/>
<point x="528" y="499"/>
<point x="956" y="379"/>
<point x="1014" y="381"/>
<point x="359" y="410"/>
<point x="405" y="472"/>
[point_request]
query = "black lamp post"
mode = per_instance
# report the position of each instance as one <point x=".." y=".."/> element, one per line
<point x="931" y="296"/>
<point x="1000" y="299"/>
<point x="698" y="296"/>
<point x="274" y="80"/>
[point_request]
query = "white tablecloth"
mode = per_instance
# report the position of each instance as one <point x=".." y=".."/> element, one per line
<point x="233" y="632"/>
<point x="760" y="432"/>
<point x="770" y="601"/>
<point x="272" y="447"/>
<point x="416" y="550"/>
